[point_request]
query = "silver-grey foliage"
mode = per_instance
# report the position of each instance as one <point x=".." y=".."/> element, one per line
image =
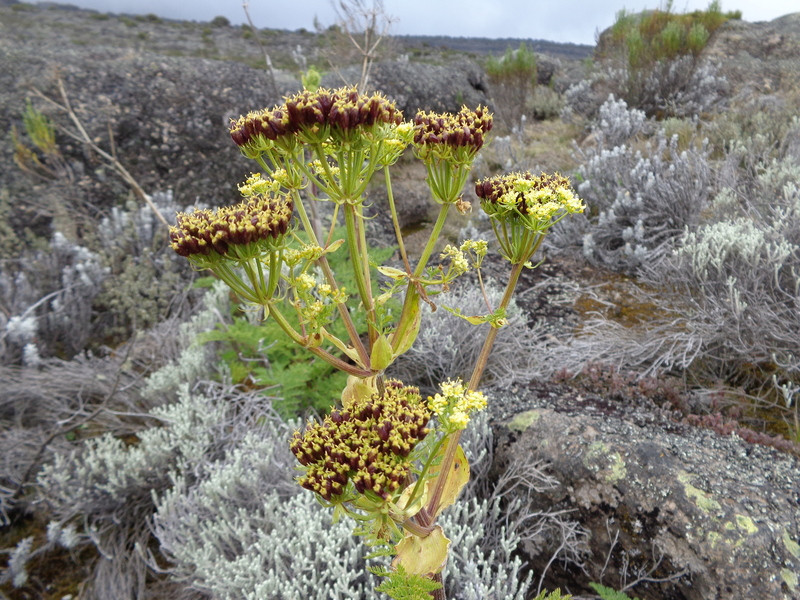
<point x="51" y="293"/>
<point x="640" y="197"/>
<point x="244" y="530"/>
<point x="682" y="87"/>
<point x="727" y="294"/>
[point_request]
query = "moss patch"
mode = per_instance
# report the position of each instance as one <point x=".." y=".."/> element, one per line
<point x="792" y="546"/>
<point x="524" y="420"/>
<point x="703" y="500"/>
<point x="610" y="464"/>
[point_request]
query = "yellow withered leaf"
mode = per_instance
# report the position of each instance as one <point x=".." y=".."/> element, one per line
<point x="457" y="478"/>
<point x="358" y="388"/>
<point x="422" y="556"/>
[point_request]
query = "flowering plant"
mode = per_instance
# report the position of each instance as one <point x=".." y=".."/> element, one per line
<point x="385" y="457"/>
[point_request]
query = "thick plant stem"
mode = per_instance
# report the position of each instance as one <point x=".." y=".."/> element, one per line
<point x="432" y="239"/>
<point x="412" y="291"/>
<point x="486" y="350"/>
<point x="440" y="593"/>
<point x="354" y="242"/>
<point x="395" y="221"/>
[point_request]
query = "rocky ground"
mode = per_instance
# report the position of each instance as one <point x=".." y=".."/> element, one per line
<point x="693" y="514"/>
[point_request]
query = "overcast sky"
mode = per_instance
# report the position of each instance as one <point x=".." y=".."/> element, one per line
<point x="574" y="21"/>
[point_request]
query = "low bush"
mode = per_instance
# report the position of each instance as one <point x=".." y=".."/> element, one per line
<point x="513" y="79"/>
<point x="642" y="195"/>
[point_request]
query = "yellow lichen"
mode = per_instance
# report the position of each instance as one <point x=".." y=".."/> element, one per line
<point x="703" y="500"/>
<point x="524" y="420"/>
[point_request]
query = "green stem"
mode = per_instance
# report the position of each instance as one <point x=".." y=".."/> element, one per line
<point x="352" y="332"/>
<point x="412" y="293"/>
<point x="335" y="361"/>
<point x="483" y="358"/>
<point x="364" y="252"/>
<point x="477" y="373"/>
<point x="432" y="239"/>
<point x="362" y="282"/>
<point x="395" y="220"/>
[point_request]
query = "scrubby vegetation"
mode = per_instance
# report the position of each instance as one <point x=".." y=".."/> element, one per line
<point x="144" y="414"/>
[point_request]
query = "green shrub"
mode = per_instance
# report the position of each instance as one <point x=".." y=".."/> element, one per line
<point x="220" y="21"/>
<point x="513" y="79"/>
<point x="660" y="35"/>
<point x="149" y="18"/>
<point x="657" y="51"/>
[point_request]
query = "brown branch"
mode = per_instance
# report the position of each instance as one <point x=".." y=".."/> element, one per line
<point x="83" y="137"/>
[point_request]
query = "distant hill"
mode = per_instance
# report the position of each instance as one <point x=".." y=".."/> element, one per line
<point x="484" y="46"/>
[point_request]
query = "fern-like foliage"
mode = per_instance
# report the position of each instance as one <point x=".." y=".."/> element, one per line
<point x="401" y="585"/>
<point x="607" y="593"/>
<point x="554" y="595"/>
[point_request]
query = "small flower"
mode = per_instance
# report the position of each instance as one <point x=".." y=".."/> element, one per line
<point x="455" y="404"/>
<point x="367" y="444"/>
<point x="235" y="232"/>
<point x="523" y="207"/>
<point x="256" y="184"/>
<point x="536" y="202"/>
<point x="458" y="262"/>
<point x="305" y="282"/>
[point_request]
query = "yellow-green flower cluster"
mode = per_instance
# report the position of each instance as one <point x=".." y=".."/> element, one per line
<point x="256" y="184"/>
<point x="455" y="404"/>
<point x="367" y="444"/>
<point x="458" y="261"/>
<point x="308" y="253"/>
<point x="476" y="249"/>
<point x="236" y="232"/>
<point x="315" y="302"/>
<point x="534" y="202"/>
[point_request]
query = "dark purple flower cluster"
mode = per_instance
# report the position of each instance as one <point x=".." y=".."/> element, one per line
<point x="367" y="443"/>
<point x="468" y="128"/>
<point x="259" y="218"/>
<point x="344" y="109"/>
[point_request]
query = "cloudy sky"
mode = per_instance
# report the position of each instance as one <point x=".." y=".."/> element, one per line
<point x="574" y="21"/>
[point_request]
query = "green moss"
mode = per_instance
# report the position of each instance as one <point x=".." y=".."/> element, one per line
<point x="746" y="524"/>
<point x="703" y="500"/>
<point x="792" y="546"/>
<point x="524" y="420"/>
<point x="790" y="579"/>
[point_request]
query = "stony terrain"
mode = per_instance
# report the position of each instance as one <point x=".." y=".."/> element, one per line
<point x="700" y="515"/>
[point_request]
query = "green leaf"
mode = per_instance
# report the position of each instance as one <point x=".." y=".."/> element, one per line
<point x="607" y="593"/>
<point x="496" y="319"/>
<point x="554" y="595"/>
<point x="381" y="355"/>
<point x="401" y="585"/>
